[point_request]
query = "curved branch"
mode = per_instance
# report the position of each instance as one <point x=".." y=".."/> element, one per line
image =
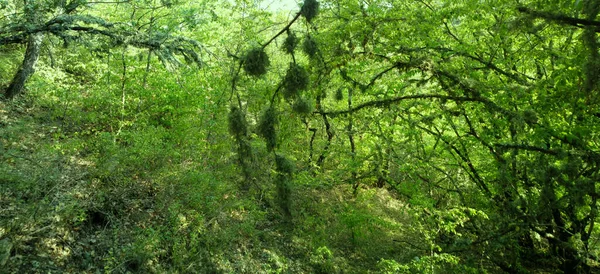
<point x="527" y="148"/>
<point x="287" y="27"/>
<point x="398" y="65"/>
<point x="62" y="24"/>
<point x="390" y="101"/>
<point x="561" y="18"/>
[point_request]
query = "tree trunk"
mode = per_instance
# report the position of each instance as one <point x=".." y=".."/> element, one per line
<point x="27" y="68"/>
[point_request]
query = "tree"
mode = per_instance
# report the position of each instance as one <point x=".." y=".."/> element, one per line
<point x="76" y="21"/>
<point x="490" y="114"/>
<point x="484" y="107"/>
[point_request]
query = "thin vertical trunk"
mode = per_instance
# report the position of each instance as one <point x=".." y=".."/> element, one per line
<point x="355" y="183"/>
<point x="27" y="68"/>
<point x="329" y="132"/>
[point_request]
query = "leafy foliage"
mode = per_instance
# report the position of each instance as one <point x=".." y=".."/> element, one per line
<point x="427" y="137"/>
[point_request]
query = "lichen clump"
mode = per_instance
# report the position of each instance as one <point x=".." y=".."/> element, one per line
<point x="266" y="128"/>
<point x="290" y="43"/>
<point x="237" y="122"/>
<point x="302" y="106"/>
<point x="284" y="165"/>
<point x="310" y="46"/>
<point x="339" y="95"/>
<point x="256" y="62"/>
<point x="295" y="80"/>
<point x="310" y="9"/>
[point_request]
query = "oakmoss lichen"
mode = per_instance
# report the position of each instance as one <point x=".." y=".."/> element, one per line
<point x="237" y="122"/>
<point x="256" y="62"/>
<point x="283" y="164"/>
<point x="295" y="80"/>
<point x="309" y="46"/>
<point x="290" y="43"/>
<point x="302" y="106"/>
<point x="266" y="127"/>
<point x="310" y="9"/>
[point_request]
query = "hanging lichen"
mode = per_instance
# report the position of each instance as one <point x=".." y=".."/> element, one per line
<point x="245" y="154"/>
<point x="310" y="9"/>
<point x="530" y="116"/>
<point x="295" y="80"/>
<point x="309" y="46"/>
<point x="237" y="123"/>
<point x="302" y="106"/>
<point x="256" y="62"/>
<point x="284" y="165"/>
<point x="266" y="128"/>
<point x="285" y="168"/>
<point x="339" y="94"/>
<point x="238" y="128"/>
<point x="290" y="43"/>
<point x="284" y="194"/>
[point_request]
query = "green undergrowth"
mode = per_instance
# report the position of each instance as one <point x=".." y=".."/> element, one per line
<point x="80" y="195"/>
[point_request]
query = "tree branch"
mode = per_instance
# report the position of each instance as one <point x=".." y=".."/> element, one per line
<point x="62" y="24"/>
<point x="287" y="27"/>
<point x="527" y="148"/>
<point x="561" y="18"/>
<point x="390" y="101"/>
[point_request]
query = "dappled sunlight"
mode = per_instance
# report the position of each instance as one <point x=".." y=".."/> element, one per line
<point x="308" y="136"/>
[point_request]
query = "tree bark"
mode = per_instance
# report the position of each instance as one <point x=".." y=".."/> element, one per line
<point x="27" y="68"/>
